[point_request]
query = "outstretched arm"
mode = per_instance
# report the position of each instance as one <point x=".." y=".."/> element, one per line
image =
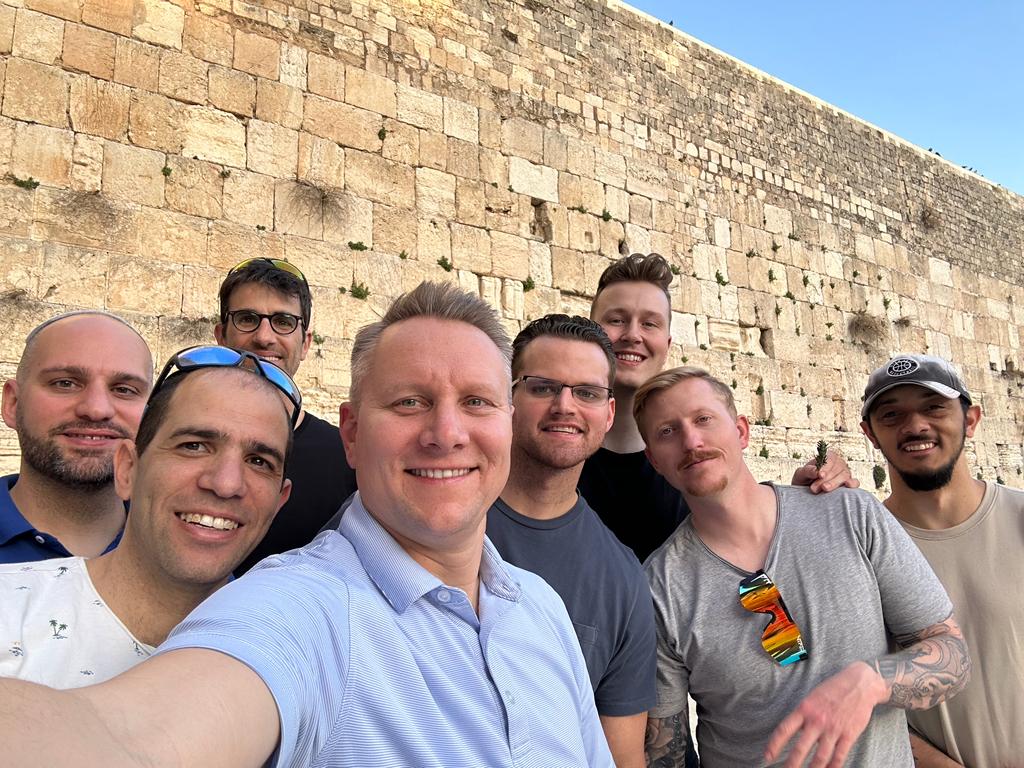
<point x="932" y="665"/>
<point x="188" y="707"/>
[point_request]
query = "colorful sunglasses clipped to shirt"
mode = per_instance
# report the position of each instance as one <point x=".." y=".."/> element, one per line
<point x="281" y="264"/>
<point x="211" y="356"/>
<point x="781" y="638"/>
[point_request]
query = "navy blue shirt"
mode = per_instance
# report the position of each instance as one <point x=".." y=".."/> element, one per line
<point x="19" y="541"/>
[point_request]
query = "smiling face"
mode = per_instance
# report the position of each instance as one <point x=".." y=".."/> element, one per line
<point x="560" y="432"/>
<point x="693" y="439"/>
<point x="921" y="434"/>
<point x="430" y="436"/>
<point x="286" y="351"/>
<point x="636" y="317"/>
<point x="80" y="392"/>
<point x="207" y="487"/>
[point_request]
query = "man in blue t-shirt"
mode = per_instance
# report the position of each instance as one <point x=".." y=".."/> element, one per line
<point x="79" y="391"/>
<point x="563" y="370"/>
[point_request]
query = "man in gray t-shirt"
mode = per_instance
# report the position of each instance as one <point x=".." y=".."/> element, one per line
<point x="775" y="609"/>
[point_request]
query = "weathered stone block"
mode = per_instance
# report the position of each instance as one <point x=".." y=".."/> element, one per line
<point x="37" y="37"/>
<point x="344" y="124"/>
<point x="232" y="91"/>
<point x="194" y="187"/>
<point x="173" y="237"/>
<point x="20" y="268"/>
<point x="394" y="230"/>
<point x="99" y="108"/>
<point x="208" y="39"/>
<point x="7" y="18"/>
<point x="293" y="66"/>
<point x="69" y="10"/>
<point x="75" y="276"/>
<point x="326" y="77"/>
<point x="82" y="218"/>
<point x="401" y="143"/>
<point x="87" y="163"/>
<point x="249" y="198"/>
<point x="471" y="248"/>
<point x="298" y="209"/>
<point x="435" y="192"/>
<point x="523" y="139"/>
<point x="230" y="243"/>
<point x="42" y="153"/>
<point x="199" y="294"/>
<point x="213" y="135"/>
<point x="133" y="174"/>
<point x="433" y="240"/>
<point x="348" y="219"/>
<point x="380" y="180"/>
<point x="183" y="77"/>
<point x="433" y="150"/>
<point x="461" y="120"/>
<point x="420" y="108"/>
<point x="89" y="50"/>
<point x="159" y="22"/>
<point x="463" y="159"/>
<point x="777" y="220"/>
<point x="321" y="162"/>
<point x="112" y="15"/>
<point x="584" y="232"/>
<point x="156" y="122"/>
<point x="16" y="206"/>
<point x="510" y="255"/>
<point x="36" y="93"/>
<point x="141" y="285"/>
<point x="271" y="149"/>
<point x="610" y="168"/>
<point x="136" y="64"/>
<point x="370" y="91"/>
<point x="535" y="180"/>
<point x="278" y="103"/>
<point x="256" y="55"/>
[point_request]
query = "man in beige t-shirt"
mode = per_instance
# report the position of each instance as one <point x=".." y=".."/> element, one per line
<point x="918" y="413"/>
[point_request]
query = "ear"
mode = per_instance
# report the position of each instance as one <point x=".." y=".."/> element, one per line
<point x="743" y="429"/>
<point x="865" y="427"/>
<point x="347" y="425"/>
<point x="126" y="465"/>
<point x="282" y="498"/>
<point x="611" y="415"/>
<point x="10" y="402"/>
<point x="306" y="341"/>
<point x="971" y="419"/>
<point x="218" y="334"/>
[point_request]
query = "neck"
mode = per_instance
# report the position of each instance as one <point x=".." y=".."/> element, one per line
<point x="942" y="508"/>
<point x="83" y="521"/>
<point x="538" y="491"/>
<point x="738" y="523"/>
<point x="148" y="604"/>
<point x="624" y="436"/>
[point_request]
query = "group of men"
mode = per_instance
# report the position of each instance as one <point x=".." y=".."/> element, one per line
<point x="402" y="636"/>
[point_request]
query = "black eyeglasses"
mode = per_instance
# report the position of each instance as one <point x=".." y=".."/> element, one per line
<point x="281" y="264"/>
<point x="211" y="356"/>
<point x="248" y="321"/>
<point x="548" y="389"/>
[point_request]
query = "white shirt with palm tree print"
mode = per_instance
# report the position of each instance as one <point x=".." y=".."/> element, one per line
<point x="56" y="630"/>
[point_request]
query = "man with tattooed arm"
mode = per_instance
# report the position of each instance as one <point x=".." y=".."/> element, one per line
<point x="776" y="609"/>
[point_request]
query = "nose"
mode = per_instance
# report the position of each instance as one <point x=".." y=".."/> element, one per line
<point x="914" y="424"/>
<point x="264" y="335"/>
<point x="692" y="439"/>
<point x="96" y="403"/>
<point x="631" y="331"/>
<point x="563" y="402"/>
<point x="445" y="428"/>
<point x="223" y="475"/>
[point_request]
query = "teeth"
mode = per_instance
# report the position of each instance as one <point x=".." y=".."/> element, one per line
<point x="914" y="447"/>
<point x="629" y="358"/>
<point x="440" y="474"/>
<point x="209" y="521"/>
<point x="566" y="430"/>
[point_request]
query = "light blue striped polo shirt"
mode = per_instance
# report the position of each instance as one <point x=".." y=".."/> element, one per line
<point x="374" y="662"/>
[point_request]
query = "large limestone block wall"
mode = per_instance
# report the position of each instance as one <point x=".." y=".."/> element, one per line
<point x="516" y="148"/>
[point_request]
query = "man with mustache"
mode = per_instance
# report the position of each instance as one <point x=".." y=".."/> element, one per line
<point x="205" y="477"/>
<point x="918" y="413"/>
<point x="77" y="395"/>
<point x="775" y="608"/>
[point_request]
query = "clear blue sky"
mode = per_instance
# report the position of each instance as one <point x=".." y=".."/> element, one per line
<point x="945" y="75"/>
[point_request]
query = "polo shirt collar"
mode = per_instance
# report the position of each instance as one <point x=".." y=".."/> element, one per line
<point x="12" y="522"/>
<point x="401" y="579"/>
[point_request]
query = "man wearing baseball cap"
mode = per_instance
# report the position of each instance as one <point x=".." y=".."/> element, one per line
<point x="918" y="413"/>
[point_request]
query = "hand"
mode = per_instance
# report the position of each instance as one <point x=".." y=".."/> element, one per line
<point x="830" y="719"/>
<point x="835" y="473"/>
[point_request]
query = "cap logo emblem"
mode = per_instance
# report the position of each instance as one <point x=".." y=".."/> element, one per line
<point x="902" y="366"/>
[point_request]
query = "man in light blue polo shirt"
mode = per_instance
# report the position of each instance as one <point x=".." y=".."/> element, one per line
<point x="401" y="639"/>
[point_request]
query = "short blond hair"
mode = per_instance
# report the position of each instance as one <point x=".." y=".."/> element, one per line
<point x="667" y="380"/>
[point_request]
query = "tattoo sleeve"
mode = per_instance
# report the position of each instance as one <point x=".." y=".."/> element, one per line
<point x="932" y="665"/>
<point x="666" y="741"/>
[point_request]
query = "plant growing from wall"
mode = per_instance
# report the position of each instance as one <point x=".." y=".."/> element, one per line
<point x="878" y="475"/>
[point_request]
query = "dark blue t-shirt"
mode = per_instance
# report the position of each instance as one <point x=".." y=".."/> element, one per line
<point x="604" y="590"/>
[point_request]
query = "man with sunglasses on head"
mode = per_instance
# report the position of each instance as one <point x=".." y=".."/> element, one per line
<point x="265" y="308"/>
<point x="776" y="609"/>
<point x="918" y="413"/>
<point x="205" y="475"/>
<point x="78" y="394"/>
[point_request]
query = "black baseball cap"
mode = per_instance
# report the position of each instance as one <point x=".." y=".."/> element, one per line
<point x="933" y="373"/>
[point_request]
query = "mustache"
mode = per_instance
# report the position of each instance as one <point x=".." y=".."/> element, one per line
<point x="108" y="425"/>
<point x="692" y="457"/>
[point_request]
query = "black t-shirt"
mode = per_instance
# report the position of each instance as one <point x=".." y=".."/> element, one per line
<point x="632" y="499"/>
<point x="321" y="481"/>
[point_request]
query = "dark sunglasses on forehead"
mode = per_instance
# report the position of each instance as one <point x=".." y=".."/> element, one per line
<point x="211" y="356"/>
<point x="781" y="639"/>
<point x="281" y="264"/>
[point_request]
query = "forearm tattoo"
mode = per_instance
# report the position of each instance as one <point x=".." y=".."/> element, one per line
<point x="933" y="666"/>
<point x="666" y="741"/>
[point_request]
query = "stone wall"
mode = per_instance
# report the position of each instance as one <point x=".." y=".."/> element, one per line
<point x="516" y="148"/>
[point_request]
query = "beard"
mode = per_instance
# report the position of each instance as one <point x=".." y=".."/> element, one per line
<point x="934" y="479"/>
<point x="82" y="473"/>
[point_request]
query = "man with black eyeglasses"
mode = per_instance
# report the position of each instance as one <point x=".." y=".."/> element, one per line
<point x="562" y="369"/>
<point x="265" y="308"/>
<point x="776" y="609"/>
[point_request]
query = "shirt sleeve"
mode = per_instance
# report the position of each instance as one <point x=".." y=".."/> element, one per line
<point x="272" y="621"/>
<point x="628" y="686"/>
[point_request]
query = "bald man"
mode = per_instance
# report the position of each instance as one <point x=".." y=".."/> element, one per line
<point x="79" y="392"/>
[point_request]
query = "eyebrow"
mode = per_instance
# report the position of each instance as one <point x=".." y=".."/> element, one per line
<point x="255" y="446"/>
<point x="84" y="373"/>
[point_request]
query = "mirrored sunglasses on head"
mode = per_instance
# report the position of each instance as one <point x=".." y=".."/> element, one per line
<point x="213" y="356"/>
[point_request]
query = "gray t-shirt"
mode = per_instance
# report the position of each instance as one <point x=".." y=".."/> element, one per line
<point x="848" y="574"/>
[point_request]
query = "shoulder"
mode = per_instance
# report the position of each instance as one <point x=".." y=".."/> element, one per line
<point x="1008" y="499"/>
<point x="675" y="562"/>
